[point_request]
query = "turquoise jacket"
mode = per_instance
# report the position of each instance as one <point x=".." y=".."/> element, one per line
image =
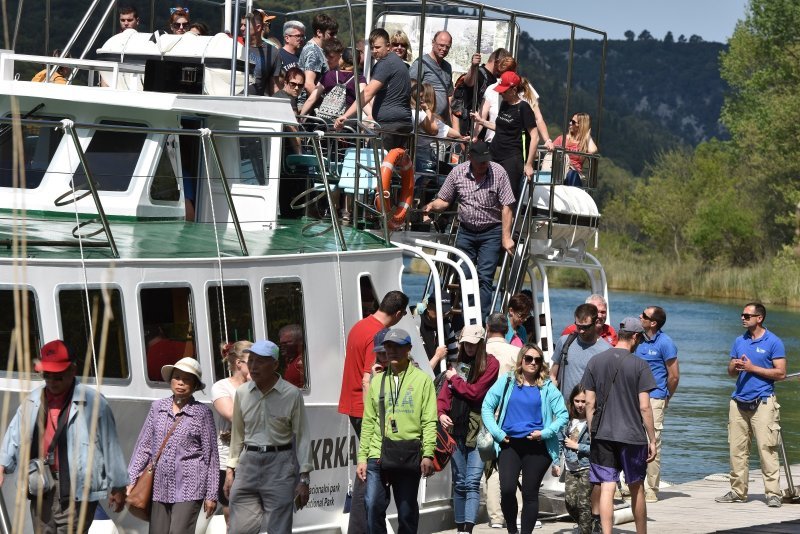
<point x="554" y="413"/>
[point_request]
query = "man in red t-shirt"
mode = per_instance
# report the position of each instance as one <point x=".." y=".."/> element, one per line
<point x="359" y="356"/>
<point x="291" y="362"/>
<point x="604" y="330"/>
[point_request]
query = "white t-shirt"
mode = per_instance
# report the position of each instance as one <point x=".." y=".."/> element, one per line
<point x="441" y="129"/>
<point x="221" y="389"/>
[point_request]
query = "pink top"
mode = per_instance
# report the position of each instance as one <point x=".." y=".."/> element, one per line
<point x="575" y="161"/>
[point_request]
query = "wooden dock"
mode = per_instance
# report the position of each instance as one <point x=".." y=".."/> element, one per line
<point x="690" y="509"/>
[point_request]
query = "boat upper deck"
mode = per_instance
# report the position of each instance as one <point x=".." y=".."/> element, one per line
<point x="53" y="239"/>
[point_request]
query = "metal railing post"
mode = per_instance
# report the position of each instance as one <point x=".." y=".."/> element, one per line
<point x="70" y="130"/>
<point x="226" y="188"/>
<point x="317" y="144"/>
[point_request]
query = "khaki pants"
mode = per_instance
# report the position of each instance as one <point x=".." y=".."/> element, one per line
<point x="764" y="424"/>
<point x="654" y="468"/>
<point x="493" y="498"/>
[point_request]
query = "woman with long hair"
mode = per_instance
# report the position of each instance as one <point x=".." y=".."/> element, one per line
<point x="532" y="412"/>
<point x="575" y="439"/>
<point x="401" y="46"/>
<point x="459" y="405"/>
<point x="579" y="139"/>
<point x="222" y="394"/>
<point x="186" y="477"/>
<point x="515" y="121"/>
<point x="179" y="22"/>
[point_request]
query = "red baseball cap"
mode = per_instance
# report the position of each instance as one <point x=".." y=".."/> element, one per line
<point x="55" y="358"/>
<point x="508" y="80"/>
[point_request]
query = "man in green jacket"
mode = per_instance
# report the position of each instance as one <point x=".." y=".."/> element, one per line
<point x="410" y="414"/>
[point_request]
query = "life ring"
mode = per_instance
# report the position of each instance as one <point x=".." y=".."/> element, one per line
<point x="396" y="159"/>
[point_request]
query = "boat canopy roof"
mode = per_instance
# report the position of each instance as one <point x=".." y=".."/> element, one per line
<point x="131" y="45"/>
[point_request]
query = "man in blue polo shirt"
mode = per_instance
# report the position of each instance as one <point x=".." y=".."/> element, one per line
<point x="758" y="359"/>
<point x="658" y="350"/>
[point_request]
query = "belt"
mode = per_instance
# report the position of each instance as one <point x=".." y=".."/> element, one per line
<point x="268" y="448"/>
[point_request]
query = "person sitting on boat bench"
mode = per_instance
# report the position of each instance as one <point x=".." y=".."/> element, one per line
<point x="485" y="225"/>
<point x="128" y="18"/>
<point x="266" y="59"/>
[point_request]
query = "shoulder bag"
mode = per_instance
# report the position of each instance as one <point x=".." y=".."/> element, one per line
<point x="141" y="495"/>
<point x="485" y="441"/>
<point x="403" y="455"/>
<point x="40" y="477"/>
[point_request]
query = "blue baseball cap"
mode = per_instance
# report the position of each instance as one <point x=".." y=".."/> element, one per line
<point x="397" y="335"/>
<point x="377" y="343"/>
<point x="264" y="348"/>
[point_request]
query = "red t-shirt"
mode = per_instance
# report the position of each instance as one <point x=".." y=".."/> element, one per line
<point x="164" y="352"/>
<point x="608" y="333"/>
<point x="295" y="372"/>
<point x="54" y="405"/>
<point x="358" y="360"/>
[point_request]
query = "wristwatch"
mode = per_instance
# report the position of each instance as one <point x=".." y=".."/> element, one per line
<point x="305" y="480"/>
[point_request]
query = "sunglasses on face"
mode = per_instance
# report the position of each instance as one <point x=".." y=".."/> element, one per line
<point x="530" y="359"/>
<point x="54" y="377"/>
<point x="573" y="122"/>
<point x="395" y="45"/>
<point x="177" y="25"/>
<point x="646" y="317"/>
<point x="584" y="327"/>
<point x="294" y="84"/>
<point x="748" y="316"/>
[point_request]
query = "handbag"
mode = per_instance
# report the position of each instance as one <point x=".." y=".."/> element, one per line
<point x="40" y="476"/>
<point x="485" y="441"/>
<point x="445" y="447"/>
<point x="397" y="454"/>
<point x="140" y="497"/>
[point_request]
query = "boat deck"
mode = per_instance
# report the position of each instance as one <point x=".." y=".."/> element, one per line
<point x="690" y="509"/>
<point x="170" y="239"/>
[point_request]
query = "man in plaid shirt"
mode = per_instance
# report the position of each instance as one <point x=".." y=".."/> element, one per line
<point x="484" y="199"/>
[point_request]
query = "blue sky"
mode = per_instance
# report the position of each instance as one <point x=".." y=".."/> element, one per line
<point x="713" y="20"/>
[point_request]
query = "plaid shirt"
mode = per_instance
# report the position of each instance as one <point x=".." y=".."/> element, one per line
<point x="480" y="205"/>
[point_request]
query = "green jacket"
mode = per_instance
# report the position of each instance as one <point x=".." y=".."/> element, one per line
<point x="415" y="413"/>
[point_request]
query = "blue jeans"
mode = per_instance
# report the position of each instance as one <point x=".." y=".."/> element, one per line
<point x="467" y="471"/>
<point x="404" y="487"/>
<point x="484" y="249"/>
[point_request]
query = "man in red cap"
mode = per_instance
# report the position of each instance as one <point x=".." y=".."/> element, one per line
<point x="55" y="421"/>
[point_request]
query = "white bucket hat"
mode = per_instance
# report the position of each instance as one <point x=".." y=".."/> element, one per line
<point x="188" y="365"/>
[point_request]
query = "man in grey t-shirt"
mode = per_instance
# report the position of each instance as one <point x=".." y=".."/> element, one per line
<point x="620" y="420"/>
<point x="390" y="87"/>
<point x="567" y="374"/>
<point x="437" y="72"/>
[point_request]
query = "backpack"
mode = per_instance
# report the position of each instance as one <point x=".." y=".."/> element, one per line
<point x="335" y="102"/>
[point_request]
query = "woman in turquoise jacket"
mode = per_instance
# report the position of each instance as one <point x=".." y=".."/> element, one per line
<point x="532" y="412"/>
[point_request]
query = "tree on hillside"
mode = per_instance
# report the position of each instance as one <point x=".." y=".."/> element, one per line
<point x="762" y="111"/>
<point x="645" y="36"/>
<point x="695" y="39"/>
<point x="682" y="38"/>
<point x="629" y="35"/>
<point x="668" y="38"/>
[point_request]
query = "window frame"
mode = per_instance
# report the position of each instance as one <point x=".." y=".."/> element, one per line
<point x="122" y="321"/>
<point x="267" y="330"/>
<point x="38" y="316"/>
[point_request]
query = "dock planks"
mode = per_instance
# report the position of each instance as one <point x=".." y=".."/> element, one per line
<point x="690" y="509"/>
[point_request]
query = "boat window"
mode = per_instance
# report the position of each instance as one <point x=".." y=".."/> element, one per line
<point x="369" y="297"/>
<point x="79" y="325"/>
<point x="168" y="320"/>
<point x="254" y="155"/>
<point x="283" y="308"/>
<point x="20" y="314"/>
<point x="229" y="323"/>
<point x="39" y="144"/>
<point x="112" y="158"/>
<point x="165" y="182"/>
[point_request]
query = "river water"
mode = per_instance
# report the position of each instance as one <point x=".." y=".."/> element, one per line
<point x="695" y="428"/>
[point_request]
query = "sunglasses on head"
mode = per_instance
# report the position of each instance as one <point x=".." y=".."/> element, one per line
<point x="530" y="359"/>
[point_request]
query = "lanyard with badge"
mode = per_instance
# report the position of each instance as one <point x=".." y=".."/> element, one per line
<point x="395" y="396"/>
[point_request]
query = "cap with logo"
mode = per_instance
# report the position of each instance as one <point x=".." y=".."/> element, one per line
<point x="377" y="343"/>
<point x="398" y="336"/>
<point x="472" y="333"/>
<point x="479" y="152"/>
<point x="55" y="358"/>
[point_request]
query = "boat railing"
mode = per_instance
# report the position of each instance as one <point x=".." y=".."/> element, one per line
<point x="313" y="139"/>
<point x="9" y="61"/>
